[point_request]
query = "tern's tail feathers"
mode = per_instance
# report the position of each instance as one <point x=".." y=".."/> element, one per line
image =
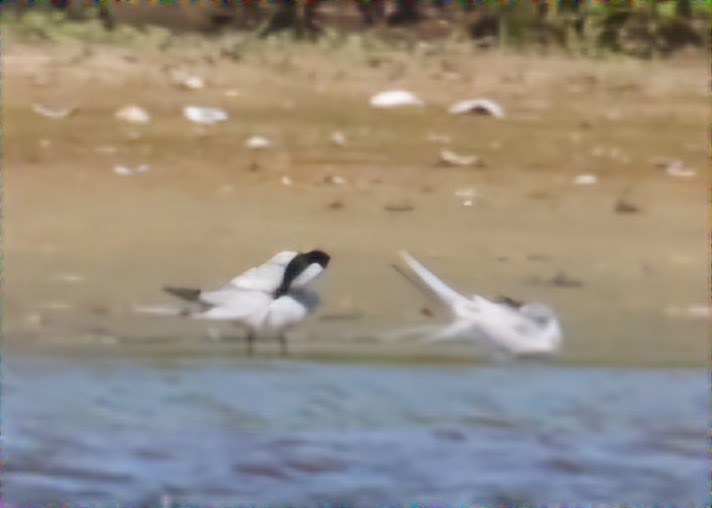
<point x="188" y="294"/>
<point x="431" y="282"/>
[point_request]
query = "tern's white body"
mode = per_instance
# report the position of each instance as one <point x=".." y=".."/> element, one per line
<point x="259" y="311"/>
<point x="531" y="329"/>
<point x="248" y="299"/>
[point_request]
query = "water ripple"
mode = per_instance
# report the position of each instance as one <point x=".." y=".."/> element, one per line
<point x="270" y="432"/>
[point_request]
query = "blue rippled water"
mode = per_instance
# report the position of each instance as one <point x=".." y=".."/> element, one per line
<point x="266" y="432"/>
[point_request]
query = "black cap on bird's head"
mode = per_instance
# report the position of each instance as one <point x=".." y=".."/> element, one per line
<point x="298" y="265"/>
<point x="317" y="256"/>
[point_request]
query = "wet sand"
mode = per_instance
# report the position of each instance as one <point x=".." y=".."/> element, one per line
<point x="83" y="245"/>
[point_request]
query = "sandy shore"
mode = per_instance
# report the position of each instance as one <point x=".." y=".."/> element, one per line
<point x="83" y="245"/>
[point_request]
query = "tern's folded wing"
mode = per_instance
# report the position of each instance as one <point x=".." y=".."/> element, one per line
<point x="266" y="277"/>
<point x="237" y="305"/>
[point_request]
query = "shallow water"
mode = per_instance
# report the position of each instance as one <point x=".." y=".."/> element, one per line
<point x="264" y="432"/>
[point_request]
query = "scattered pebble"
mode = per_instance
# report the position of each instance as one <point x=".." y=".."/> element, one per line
<point x="106" y="149"/>
<point x="122" y="170"/>
<point x="693" y="311"/>
<point x="623" y="204"/>
<point x="232" y="92"/>
<point x="101" y="309"/>
<point x="465" y="192"/>
<point x="72" y="277"/>
<point x="342" y="316"/>
<point x="287" y="181"/>
<point x="258" y="143"/>
<point x="204" y="115"/>
<point x="598" y="151"/>
<point x="57" y="306"/>
<point x="133" y="135"/>
<point x="157" y="310"/>
<point x="395" y="98"/>
<point x="33" y="319"/>
<point x="586" y="179"/>
<point x="334" y="180"/>
<point x="41" y="80"/>
<point x="477" y="106"/>
<point x="132" y="114"/>
<point x="45" y="143"/>
<point x="336" y="205"/>
<point x="539" y="257"/>
<point x="438" y="138"/>
<point x="338" y="138"/>
<point x="399" y="206"/>
<point x="56" y="114"/>
<point x="677" y="169"/>
<point x="563" y="280"/>
<point x="106" y="339"/>
<point x="450" y="158"/>
<point x="187" y="82"/>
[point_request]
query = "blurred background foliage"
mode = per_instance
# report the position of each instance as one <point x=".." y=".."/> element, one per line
<point x="644" y="29"/>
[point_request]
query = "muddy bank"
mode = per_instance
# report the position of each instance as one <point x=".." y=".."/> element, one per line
<point x="83" y="245"/>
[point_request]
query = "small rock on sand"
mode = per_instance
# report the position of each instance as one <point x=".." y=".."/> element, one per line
<point x="258" y="143"/>
<point x="403" y="205"/>
<point x="338" y="138"/>
<point x="586" y="179"/>
<point x="204" y="115"/>
<point x="133" y="114"/>
<point x="450" y="158"/>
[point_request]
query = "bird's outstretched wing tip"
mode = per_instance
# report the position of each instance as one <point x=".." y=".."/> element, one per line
<point x="188" y="294"/>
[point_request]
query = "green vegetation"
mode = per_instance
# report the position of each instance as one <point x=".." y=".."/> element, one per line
<point x="641" y="29"/>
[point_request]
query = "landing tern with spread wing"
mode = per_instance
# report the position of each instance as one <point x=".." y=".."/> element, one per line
<point x="505" y="325"/>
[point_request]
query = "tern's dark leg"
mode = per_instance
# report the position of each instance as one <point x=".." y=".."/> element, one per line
<point x="283" y="344"/>
<point x="250" y="341"/>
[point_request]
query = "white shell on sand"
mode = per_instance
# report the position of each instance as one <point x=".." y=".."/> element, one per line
<point x="477" y="106"/>
<point x="56" y="114"/>
<point x="450" y="158"/>
<point x="258" y="143"/>
<point x="133" y="114"/>
<point x="203" y="115"/>
<point x="586" y="180"/>
<point x="395" y="98"/>
<point x="338" y="138"/>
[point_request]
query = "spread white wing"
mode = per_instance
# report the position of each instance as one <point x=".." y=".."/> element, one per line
<point x="430" y="282"/>
<point x="530" y="328"/>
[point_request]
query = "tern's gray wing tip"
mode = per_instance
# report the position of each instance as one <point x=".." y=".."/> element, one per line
<point x="187" y="294"/>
